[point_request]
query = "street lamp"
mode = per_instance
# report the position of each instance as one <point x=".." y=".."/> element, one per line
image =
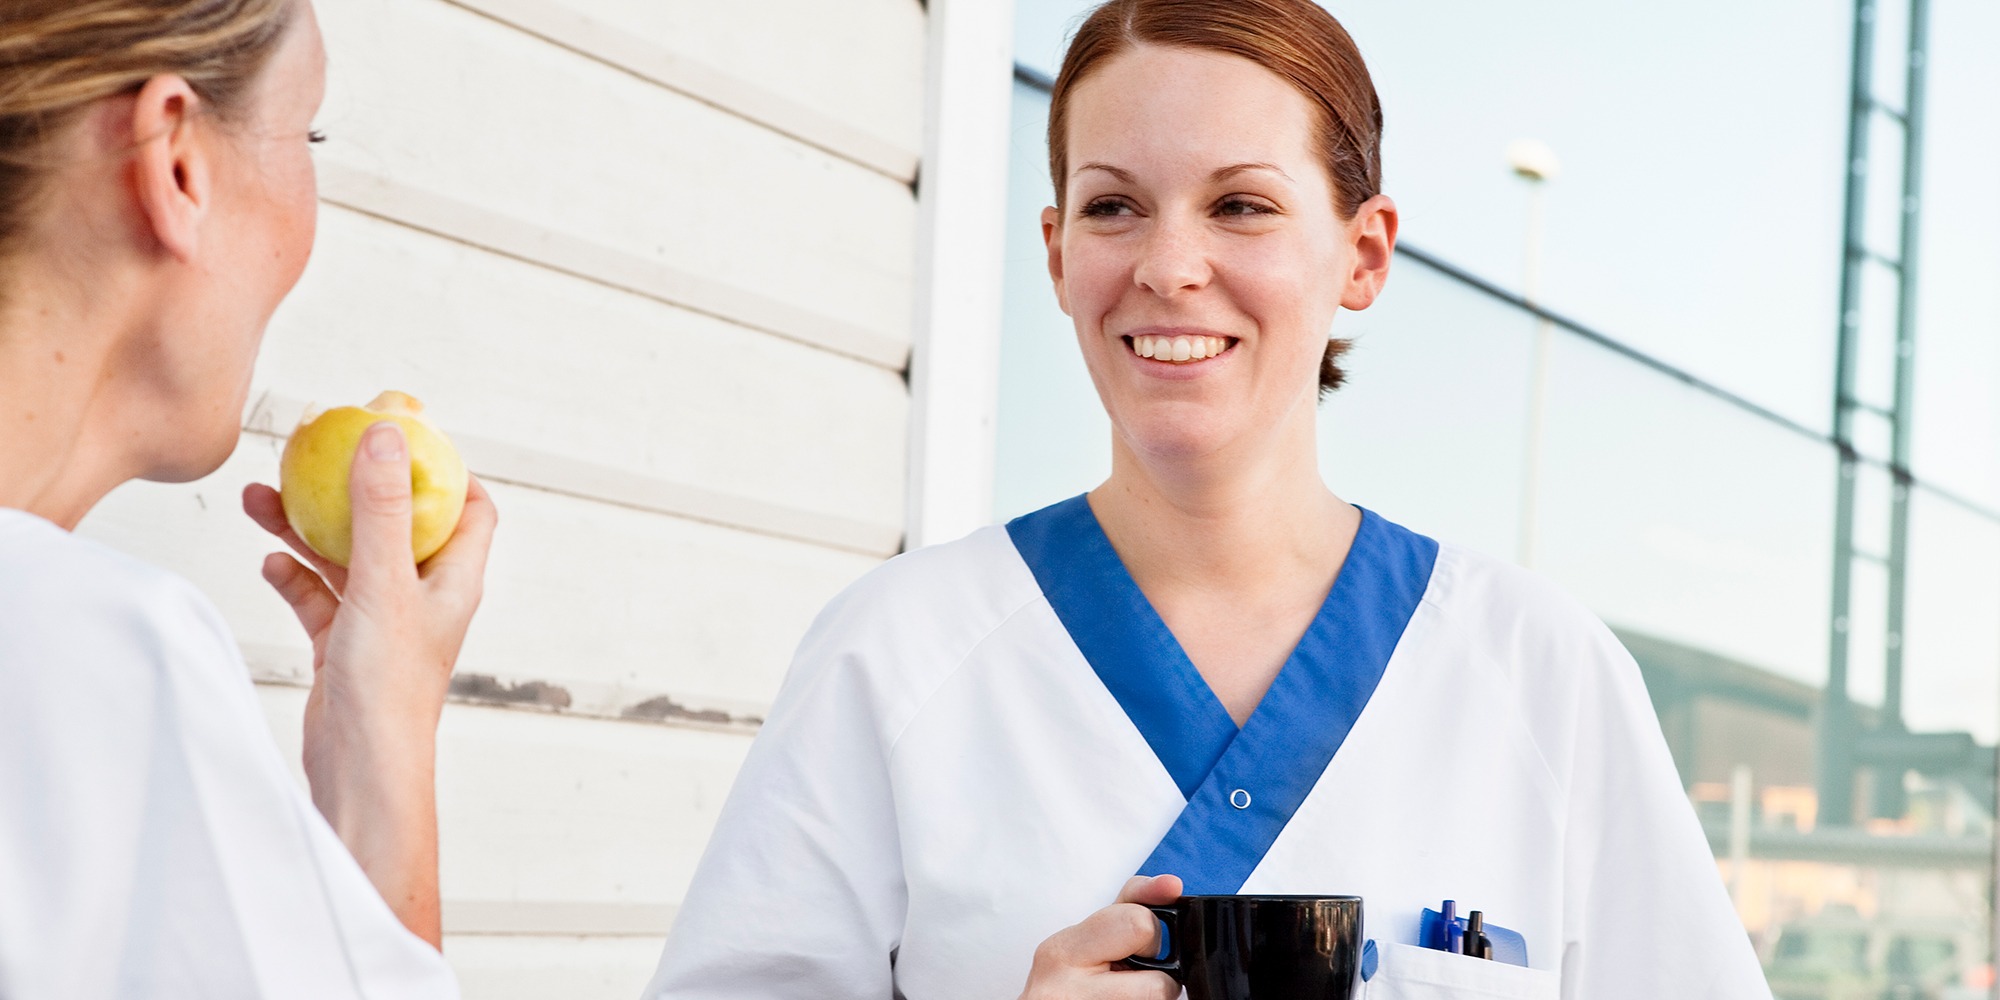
<point x="1534" y="162"/>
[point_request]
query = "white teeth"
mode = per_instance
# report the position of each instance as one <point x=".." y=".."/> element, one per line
<point x="1179" y="349"/>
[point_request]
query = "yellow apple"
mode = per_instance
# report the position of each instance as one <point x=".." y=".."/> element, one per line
<point x="312" y="476"/>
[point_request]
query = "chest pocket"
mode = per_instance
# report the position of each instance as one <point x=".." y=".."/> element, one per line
<point x="1412" y="973"/>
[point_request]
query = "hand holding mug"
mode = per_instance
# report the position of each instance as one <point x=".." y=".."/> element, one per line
<point x="1086" y="961"/>
<point x="1249" y="947"/>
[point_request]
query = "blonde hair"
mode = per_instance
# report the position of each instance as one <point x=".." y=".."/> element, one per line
<point x="58" y="57"/>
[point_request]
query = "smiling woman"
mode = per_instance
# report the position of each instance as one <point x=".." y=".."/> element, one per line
<point x="1209" y="673"/>
<point x="1321" y="63"/>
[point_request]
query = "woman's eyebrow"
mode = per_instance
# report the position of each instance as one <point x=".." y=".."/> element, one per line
<point x="1225" y="173"/>
<point x="1118" y="172"/>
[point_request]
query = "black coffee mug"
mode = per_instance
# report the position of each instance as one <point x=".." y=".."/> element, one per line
<point x="1261" y="947"/>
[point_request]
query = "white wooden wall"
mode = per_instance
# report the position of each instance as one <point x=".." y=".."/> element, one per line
<point x="650" y="263"/>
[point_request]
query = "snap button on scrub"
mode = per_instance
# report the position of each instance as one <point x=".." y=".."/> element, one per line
<point x="1240" y="799"/>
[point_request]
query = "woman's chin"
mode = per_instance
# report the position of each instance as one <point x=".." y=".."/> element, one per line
<point x="1177" y="443"/>
<point x="194" y="459"/>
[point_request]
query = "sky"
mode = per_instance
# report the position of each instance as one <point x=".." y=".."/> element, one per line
<point x="1697" y="218"/>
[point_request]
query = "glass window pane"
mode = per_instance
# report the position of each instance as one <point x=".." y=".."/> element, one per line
<point x="1890" y="78"/>
<point x="1053" y="440"/>
<point x="1957" y="425"/>
<point x="1682" y="219"/>
<point x="1678" y="515"/>
<point x="1867" y="630"/>
<point x="1874" y="435"/>
<point x="1875" y="337"/>
<point x="1431" y="428"/>
<point x="1951" y="642"/>
<point x="1872" y="510"/>
<point x="1041" y="30"/>
<point x="1882" y="218"/>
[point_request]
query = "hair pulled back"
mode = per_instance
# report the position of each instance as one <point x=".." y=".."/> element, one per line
<point x="1296" y="39"/>
<point x="58" y="57"/>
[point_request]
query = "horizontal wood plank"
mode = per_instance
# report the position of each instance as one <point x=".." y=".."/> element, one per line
<point x="624" y="612"/>
<point x="498" y="232"/>
<point x="443" y="100"/>
<point x="560" y="826"/>
<point x="848" y="77"/>
<point x="593" y="391"/>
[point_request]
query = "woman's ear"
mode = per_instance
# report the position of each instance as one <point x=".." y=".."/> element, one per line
<point x="1373" y="230"/>
<point x="171" y="170"/>
<point x="1052" y="238"/>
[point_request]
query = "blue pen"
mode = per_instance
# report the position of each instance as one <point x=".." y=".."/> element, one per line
<point x="1450" y="912"/>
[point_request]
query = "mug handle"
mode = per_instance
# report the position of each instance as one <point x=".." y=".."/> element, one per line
<point x="1169" y="961"/>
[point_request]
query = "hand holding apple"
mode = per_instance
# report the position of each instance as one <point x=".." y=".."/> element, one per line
<point x="385" y="631"/>
<point x="312" y="476"/>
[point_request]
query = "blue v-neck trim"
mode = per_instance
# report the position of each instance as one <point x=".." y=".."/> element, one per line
<point x="1124" y="639"/>
<point x="1242" y="786"/>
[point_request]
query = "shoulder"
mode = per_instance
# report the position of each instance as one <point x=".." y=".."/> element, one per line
<point x="1574" y="692"/>
<point x="1500" y="597"/>
<point x="903" y="627"/>
<point x="981" y="562"/>
<point x="1536" y="631"/>
<point x="100" y="609"/>
<point x="935" y="599"/>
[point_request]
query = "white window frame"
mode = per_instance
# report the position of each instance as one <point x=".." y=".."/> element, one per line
<point x="961" y="243"/>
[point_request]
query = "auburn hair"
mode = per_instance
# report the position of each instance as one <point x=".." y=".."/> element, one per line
<point x="1296" y="39"/>
<point x="58" y="57"/>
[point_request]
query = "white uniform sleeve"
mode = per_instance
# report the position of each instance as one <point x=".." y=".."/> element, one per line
<point x="1646" y="916"/>
<point x="152" y="841"/>
<point x="800" y="893"/>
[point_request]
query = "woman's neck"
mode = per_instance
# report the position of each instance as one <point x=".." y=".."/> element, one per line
<point x="1237" y="521"/>
<point x="56" y="457"/>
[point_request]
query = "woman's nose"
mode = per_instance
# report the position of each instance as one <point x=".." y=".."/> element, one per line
<point x="1172" y="259"/>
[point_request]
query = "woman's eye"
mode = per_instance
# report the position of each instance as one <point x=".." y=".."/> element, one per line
<point x="1106" y="207"/>
<point x="315" y="136"/>
<point x="1240" y="206"/>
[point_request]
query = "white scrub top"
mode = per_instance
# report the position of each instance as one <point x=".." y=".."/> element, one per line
<point x="152" y="842"/>
<point x="980" y="742"/>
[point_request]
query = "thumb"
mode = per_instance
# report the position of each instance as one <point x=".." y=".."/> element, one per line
<point x="1156" y="890"/>
<point x="378" y="490"/>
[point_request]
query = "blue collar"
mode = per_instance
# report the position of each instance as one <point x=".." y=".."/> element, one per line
<point x="1242" y="786"/>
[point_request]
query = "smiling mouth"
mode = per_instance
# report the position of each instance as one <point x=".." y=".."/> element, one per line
<point x="1179" y="350"/>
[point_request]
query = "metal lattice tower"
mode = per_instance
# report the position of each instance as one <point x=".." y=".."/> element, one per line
<point x="1877" y="316"/>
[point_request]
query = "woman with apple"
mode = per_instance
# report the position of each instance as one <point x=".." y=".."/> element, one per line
<point x="1209" y="667"/>
<point x="157" y="201"/>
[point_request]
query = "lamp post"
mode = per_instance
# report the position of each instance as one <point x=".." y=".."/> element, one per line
<point x="1533" y="161"/>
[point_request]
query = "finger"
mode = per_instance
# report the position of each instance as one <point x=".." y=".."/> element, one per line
<point x="464" y="553"/>
<point x="1112" y="934"/>
<point x="301" y="588"/>
<point x="378" y="491"/>
<point x="265" y="507"/>
<point x="1151" y="890"/>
